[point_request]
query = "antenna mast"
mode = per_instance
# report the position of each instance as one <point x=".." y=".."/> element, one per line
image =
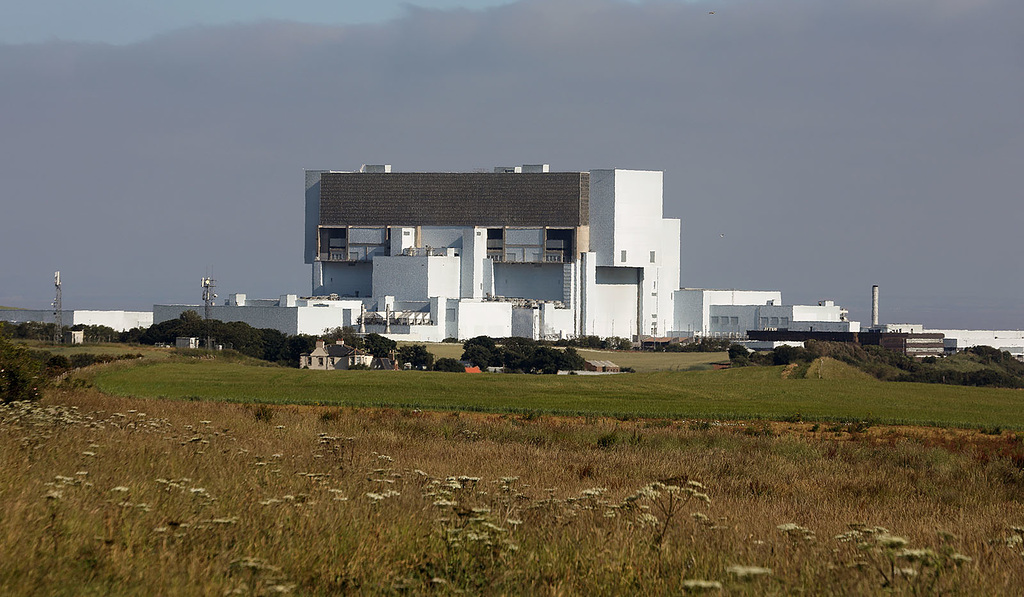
<point x="208" y="295"/>
<point x="58" y="312"/>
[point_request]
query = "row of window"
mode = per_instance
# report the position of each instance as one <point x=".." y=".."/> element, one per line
<point x="764" y="321"/>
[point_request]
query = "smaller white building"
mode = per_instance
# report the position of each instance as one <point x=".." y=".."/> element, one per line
<point x="120" y="321"/>
<point x="701" y="312"/>
<point x="1011" y="341"/>
<point x="289" y="313"/>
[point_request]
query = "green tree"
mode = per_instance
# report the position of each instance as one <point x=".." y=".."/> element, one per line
<point x="482" y="357"/>
<point x="417" y="355"/>
<point x="20" y="376"/>
<point x="449" y="365"/>
<point x="379" y="346"/>
<point x="570" y="360"/>
<point x="739" y="356"/>
<point x="518" y="354"/>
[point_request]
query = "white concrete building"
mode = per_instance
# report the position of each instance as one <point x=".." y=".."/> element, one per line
<point x="1011" y="341"/>
<point x="118" y="320"/>
<point x="518" y="251"/>
<point x="289" y="313"/>
<point x="731" y="313"/>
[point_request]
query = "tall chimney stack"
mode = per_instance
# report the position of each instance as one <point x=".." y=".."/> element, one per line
<point x="874" y="306"/>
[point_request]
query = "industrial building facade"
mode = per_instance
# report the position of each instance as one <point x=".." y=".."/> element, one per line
<point x="520" y="251"/>
<point x="515" y="252"/>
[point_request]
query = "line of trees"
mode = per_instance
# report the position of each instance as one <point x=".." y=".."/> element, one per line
<point x="520" y="355"/>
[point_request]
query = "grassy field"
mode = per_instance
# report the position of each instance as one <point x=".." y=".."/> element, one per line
<point x="642" y="362"/>
<point x="118" y="496"/>
<point x="755" y="392"/>
<point x="112" y="348"/>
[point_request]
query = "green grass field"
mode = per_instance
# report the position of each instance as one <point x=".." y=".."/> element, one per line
<point x="112" y="348"/>
<point x="642" y="362"/>
<point x="748" y="393"/>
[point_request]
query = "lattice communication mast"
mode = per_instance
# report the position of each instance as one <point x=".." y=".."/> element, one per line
<point x="58" y="312"/>
<point x="208" y="297"/>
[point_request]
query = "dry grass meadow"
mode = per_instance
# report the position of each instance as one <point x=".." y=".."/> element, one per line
<point x="121" y="496"/>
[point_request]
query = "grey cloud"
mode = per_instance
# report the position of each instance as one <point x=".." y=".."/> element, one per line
<point x="836" y="144"/>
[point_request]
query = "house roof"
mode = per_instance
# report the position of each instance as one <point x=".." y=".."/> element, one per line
<point x="334" y="350"/>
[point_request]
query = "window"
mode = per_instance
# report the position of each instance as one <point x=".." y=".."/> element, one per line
<point x="714" y="319"/>
<point x="735" y="320"/>
<point x="622" y="256"/>
<point x="652" y="256"/>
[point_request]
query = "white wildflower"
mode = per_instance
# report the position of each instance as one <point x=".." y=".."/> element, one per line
<point x="697" y="586"/>
<point x="748" y="572"/>
<point x="891" y="541"/>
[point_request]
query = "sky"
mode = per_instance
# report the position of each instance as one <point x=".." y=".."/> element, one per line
<point x="835" y="145"/>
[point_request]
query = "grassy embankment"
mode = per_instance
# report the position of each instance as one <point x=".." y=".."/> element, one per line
<point x="106" y="495"/>
<point x="842" y="394"/>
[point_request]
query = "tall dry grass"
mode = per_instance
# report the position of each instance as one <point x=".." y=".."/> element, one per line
<point x="141" y="497"/>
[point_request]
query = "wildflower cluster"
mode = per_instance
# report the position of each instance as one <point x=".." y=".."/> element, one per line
<point x="895" y="561"/>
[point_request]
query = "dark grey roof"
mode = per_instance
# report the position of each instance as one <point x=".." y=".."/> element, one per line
<point x="455" y="199"/>
<point x="340" y="350"/>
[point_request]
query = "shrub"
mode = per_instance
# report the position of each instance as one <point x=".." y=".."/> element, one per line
<point x="449" y="365"/>
<point x="19" y="374"/>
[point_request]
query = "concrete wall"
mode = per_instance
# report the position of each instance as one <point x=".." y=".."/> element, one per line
<point x="602" y="215"/>
<point x="615" y="302"/>
<point x="817" y="313"/>
<point x="344" y="279"/>
<point x="541" y="281"/>
<point x="556" y="323"/>
<point x="526" y="323"/>
<point x="416" y="278"/>
<point x="483" y="319"/>
<point x="475" y="282"/>
<point x="279" y="318"/>
<point x="402" y="239"/>
<point x="315" y="320"/>
<point x="312" y="214"/>
<point x="311" y="317"/>
<point x="665" y="276"/>
<point x="734" y="320"/>
<point x="118" y="320"/>
<point x="441" y="236"/>
<point x="625" y="214"/>
<point x="588" y="304"/>
<point x="692" y="308"/>
<point x="1008" y="340"/>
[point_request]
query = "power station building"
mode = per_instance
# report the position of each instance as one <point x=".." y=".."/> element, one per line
<point x="521" y="251"/>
